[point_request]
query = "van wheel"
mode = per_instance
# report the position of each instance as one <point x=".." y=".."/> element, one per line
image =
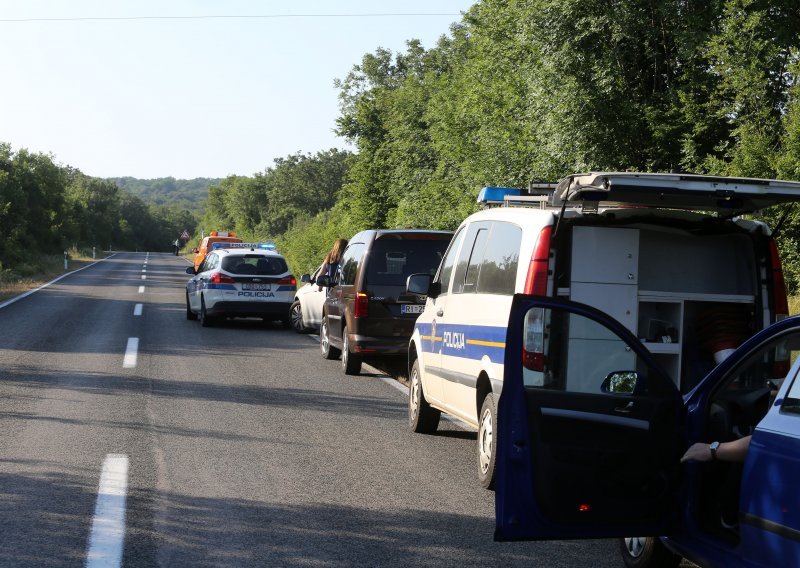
<point x="487" y="441"/>
<point x="646" y="552"/>
<point x="296" y="318"/>
<point x="190" y="315"/>
<point x="205" y="319"/>
<point x="328" y="350"/>
<point x="351" y="363"/>
<point x="422" y="417"/>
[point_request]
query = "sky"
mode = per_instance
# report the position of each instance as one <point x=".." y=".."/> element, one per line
<point x="190" y="97"/>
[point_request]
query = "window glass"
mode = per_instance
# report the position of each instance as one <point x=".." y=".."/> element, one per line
<point x="475" y="260"/>
<point x="471" y="253"/>
<point x="209" y="263"/>
<point x="446" y="271"/>
<point x="349" y="265"/>
<point x="254" y="264"/>
<point x="498" y="271"/>
<point x="392" y="260"/>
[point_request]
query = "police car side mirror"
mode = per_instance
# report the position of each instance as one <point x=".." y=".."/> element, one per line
<point x="622" y="382"/>
<point x="191" y="271"/>
<point x="423" y="285"/>
<point x="306" y="278"/>
<point x="324" y="280"/>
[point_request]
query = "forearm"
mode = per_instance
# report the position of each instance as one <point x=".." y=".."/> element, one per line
<point x="734" y="451"/>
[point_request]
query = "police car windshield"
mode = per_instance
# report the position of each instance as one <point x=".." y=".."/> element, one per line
<point x="255" y="264"/>
<point x="392" y="260"/>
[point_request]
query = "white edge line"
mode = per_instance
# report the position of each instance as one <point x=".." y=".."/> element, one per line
<point x="404" y="389"/>
<point x="131" y="353"/>
<point x="107" y="534"/>
<point x="43" y="286"/>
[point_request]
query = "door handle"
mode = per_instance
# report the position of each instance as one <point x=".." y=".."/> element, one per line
<point x="440" y="313"/>
<point x="624" y="409"/>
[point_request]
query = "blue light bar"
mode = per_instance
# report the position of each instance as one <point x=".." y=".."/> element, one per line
<point x="261" y="246"/>
<point x="497" y="194"/>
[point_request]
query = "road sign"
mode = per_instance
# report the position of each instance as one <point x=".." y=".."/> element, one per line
<point x="185" y="235"/>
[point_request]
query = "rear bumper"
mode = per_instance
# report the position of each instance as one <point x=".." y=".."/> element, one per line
<point x="369" y="346"/>
<point x="250" y="309"/>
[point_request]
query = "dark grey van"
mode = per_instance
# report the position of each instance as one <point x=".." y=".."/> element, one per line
<point x="368" y="312"/>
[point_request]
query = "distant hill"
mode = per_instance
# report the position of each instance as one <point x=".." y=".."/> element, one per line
<point x="186" y="193"/>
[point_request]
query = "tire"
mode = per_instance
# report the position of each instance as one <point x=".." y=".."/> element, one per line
<point x="190" y="315"/>
<point x="328" y="350"/>
<point x="422" y="417"/>
<point x="205" y="319"/>
<point x="296" y="318"/>
<point x="646" y="552"/>
<point x="351" y="363"/>
<point x="487" y="441"/>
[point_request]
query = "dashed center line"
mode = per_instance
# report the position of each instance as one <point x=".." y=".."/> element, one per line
<point x="131" y="353"/>
<point x="108" y="524"/>
<point x="141" y="289"/>
<point x="144" y="276"/>
<point x="137" y="310"/>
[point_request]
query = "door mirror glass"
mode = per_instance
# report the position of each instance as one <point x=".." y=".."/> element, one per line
<point x="306" y="278"/>
<point x="191" y="271"/>
<point x="620" y="382"/>
<point x="418" y="284"/>
<point x="324" y="280"/>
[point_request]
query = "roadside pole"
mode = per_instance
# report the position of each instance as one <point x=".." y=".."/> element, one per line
<point x="66" y="257"/>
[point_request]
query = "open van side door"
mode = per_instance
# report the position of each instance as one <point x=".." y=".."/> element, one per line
<point x="591" y="430"/>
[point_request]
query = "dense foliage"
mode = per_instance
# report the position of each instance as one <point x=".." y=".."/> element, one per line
<point x="46" y="208"/>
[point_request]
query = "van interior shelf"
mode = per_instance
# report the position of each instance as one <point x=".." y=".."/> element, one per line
<point x="655" y="295"/>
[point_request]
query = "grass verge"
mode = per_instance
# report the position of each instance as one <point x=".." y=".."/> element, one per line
<point x="43" y="269"/>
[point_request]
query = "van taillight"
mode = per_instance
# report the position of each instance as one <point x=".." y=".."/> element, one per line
<point x="219" y="278"/>
<point x="780" y="307"/>
<point x="533" y="347"/>
<point x="361" y="307"/>
<point x="536" y="281"/>
<point x="287" y="281"/>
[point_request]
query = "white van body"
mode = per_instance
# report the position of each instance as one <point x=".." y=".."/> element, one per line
<point x="606" y="240"/>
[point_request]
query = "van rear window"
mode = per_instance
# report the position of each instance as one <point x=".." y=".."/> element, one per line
<point x="391" y="261"/>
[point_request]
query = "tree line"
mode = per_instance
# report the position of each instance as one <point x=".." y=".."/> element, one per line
<point x="524" y="90"/>
<point x="47" y="208"/>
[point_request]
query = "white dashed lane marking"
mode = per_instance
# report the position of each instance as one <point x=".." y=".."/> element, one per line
<point x="107" y="534"/>
<point x="141" y="289"/>
<point x="144" y="276"/>
<point x="137" y="310"/>
<point x="131" y="353"/>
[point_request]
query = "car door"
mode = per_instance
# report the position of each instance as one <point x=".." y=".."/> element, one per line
<point x="312" y="301"/>
<point x="196" y="284"/>
<point x="589" y="438"/>
<point x="344" y="290"/>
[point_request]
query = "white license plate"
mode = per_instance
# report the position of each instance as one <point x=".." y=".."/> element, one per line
<point x="412" y="308"/>
<point x="259" y="287"/>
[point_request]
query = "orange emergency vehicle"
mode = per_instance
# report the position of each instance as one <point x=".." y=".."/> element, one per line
<point x="205" y="245"/>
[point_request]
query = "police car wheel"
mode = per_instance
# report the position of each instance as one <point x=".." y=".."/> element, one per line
<point x="205" y="319"/>
<point x="328" y="350"/>
<point x="351" y="363"/>
<point x="646" y="552"/>
<point x="296" y="318"/>
<point x="190" y="315"/>
<point x="487" y="441"/>
<point x="422" y="417"/>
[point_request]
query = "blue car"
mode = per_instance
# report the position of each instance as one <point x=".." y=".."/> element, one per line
<point x="587" y="453"/>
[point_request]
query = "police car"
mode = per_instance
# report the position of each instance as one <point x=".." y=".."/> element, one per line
<point x="240" y="280"/>
<point x="587" y="453"/>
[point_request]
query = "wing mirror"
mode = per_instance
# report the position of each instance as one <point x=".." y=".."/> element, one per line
<point x="324" y="280"/>
<point x="191" y="271"/>
<point x="622" y="382"/>
<point x="423" y="285"/>
<point x="306" y="278"/>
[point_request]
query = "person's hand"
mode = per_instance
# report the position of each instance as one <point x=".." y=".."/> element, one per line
<point x="697" y="452"/>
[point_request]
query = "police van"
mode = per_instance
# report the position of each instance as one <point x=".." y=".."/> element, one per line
<point x="240" y="280"/>
<point x="669" y="256"/>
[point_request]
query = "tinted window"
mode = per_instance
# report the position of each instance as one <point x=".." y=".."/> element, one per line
<point x="210" y="263"/>
<point x="449" y="260"/>
<point x="392" y="260"/>
<point x="349" y="266"/>
<point x="254" y="264"/>
<point x="498" y="270"/>
<point x="470" y="257"/>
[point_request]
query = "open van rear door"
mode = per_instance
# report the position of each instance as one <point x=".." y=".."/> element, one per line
<point x="677" y="191"/>
<point x="591" y="430"/>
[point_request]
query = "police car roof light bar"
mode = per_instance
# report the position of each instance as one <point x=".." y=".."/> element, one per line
<point x="540" y="194"/>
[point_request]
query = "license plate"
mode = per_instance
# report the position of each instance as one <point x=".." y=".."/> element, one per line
<point x="412" y="308"/>
<point x="259" y="287"/>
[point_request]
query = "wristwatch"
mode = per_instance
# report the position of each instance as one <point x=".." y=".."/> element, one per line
<point x="713" y="446"/>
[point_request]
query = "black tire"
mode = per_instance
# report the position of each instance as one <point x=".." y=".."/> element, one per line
<point x="205" y="319"/>
<point x="190" y="315"/>
<point x="422" y="417"/>
<point x="351" y="363"/>
<point x="328" y="350"/>
<point x="487" y="441"/>
<point x="647" y="552"/>
<point x="296" y="318"/>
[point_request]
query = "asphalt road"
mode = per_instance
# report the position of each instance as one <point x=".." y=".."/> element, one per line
<point x="244" y="447"/>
